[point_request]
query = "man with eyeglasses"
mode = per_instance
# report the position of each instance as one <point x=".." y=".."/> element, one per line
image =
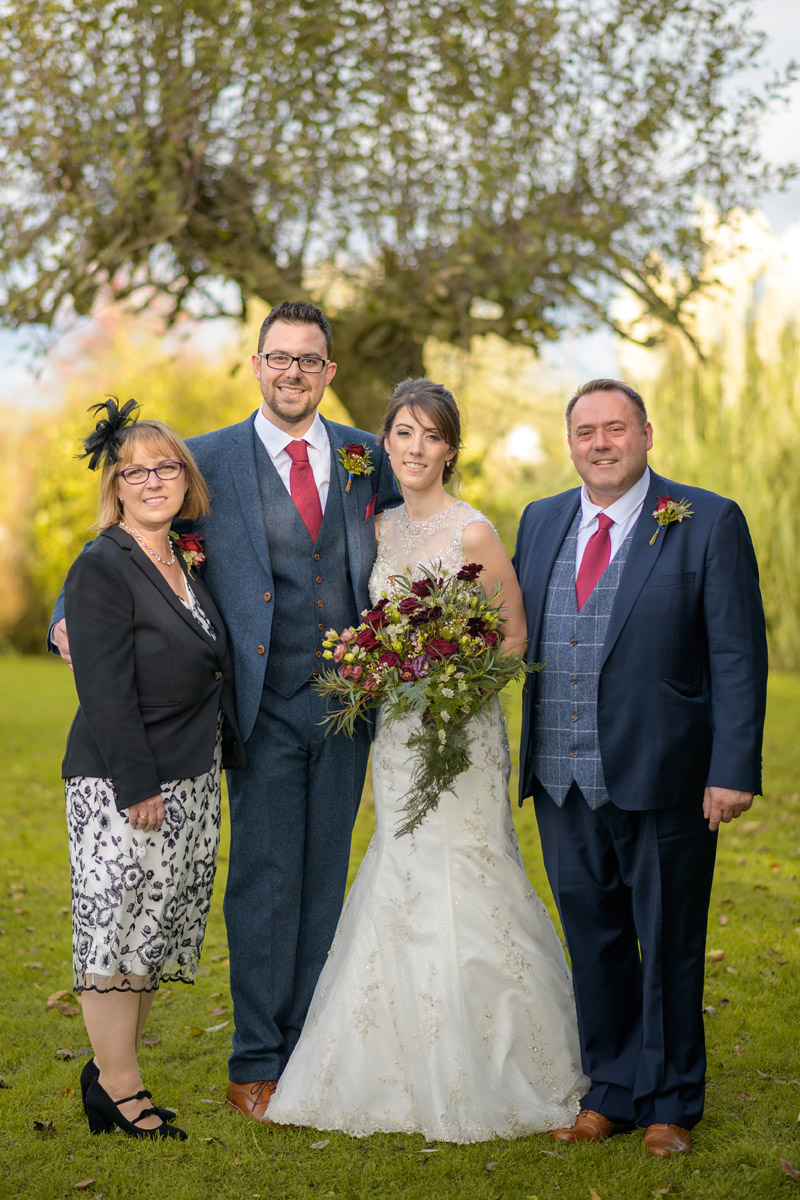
<point x="289" y="544"/>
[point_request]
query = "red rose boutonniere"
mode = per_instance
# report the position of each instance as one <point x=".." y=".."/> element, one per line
<point x="191" y="550"/>
<point x="668" y="510"/>
<point x="356" y="460"/>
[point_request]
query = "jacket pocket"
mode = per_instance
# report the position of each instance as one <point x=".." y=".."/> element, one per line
<point x="682" y="577"/>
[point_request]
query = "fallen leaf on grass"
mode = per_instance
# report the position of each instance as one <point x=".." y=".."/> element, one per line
<point x="67" y="1093"/>
<point x="491" y="1166"/>
<point x="217" y="1012"/>
<point x="214" y="1139"/>
<point x="789" y="1169"/>
<point x="33" y="964"/>
<point x="56" y="996"/>
<point x="151" y="1041"/>
<point x="67" y="1010"/>
<point x="84" y="1184"/>
<point x="666" y="1189"/>
<point x="66" y="1053"/>
<point x="429" y="1150"/>
<point x="320" y="1145"/>
<point x="3" y="1084"/>
<point x="43" y="1127"/>
<point x="220" y="958"/>
<point x="769" y="1078"/>
<point x="723" y="920"/>
<point x="593" y="1194"/>
<point x="216" y="1028"/>
<point x="716" y="955"/>
<point x="237" y="1162"/>
<point x="745" y="1096"/>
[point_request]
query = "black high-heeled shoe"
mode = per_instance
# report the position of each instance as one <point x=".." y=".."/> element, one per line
<point x="92" y="1071"/>
<point x="103" y="1114"/>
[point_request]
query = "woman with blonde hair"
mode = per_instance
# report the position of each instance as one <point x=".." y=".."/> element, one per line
<point x="156" y="723"/>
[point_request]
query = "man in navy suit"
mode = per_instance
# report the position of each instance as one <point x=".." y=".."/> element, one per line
<point x="289" y="549"/>
<point x="640" y="735"/>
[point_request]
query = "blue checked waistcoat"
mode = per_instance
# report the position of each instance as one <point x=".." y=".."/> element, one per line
<point x="313" y="590"/>
<point x="566" y="747"/>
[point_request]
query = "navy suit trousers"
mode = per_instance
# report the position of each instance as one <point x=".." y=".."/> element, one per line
<point x="292" y="814"/>
<point x="633" y="890"/>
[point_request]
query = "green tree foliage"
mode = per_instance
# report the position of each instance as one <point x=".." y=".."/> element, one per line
<point x="742" y="445"/>
<point x="488" y="166"/>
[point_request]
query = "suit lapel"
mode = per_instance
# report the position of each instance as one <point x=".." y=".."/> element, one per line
<point x="140" y="559"/>
<point x="351" y="503"/>
<point x="642" y="557"/>
<point x="544" y="551"/>
<point x="243" y="467"/>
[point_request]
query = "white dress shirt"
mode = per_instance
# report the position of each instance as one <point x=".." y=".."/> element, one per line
<point x="319" y="451"/>
<point x="623" y="513"/>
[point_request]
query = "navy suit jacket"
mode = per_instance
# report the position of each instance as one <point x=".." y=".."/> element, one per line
<point x="238" y="571"/>
<point x="681" y="694"/>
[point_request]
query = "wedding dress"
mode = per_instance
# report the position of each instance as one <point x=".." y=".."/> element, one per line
<point x="445" y="1006"/>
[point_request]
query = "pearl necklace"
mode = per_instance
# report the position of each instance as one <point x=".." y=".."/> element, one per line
<point x="166" y="562"/>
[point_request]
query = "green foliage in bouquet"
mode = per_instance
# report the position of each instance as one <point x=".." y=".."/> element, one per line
<point x="431" y="647"/>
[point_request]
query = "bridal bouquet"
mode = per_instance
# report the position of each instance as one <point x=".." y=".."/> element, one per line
<point x="430" y="647"/>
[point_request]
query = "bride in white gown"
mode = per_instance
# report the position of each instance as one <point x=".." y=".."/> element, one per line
<point x="445" y="1006"/>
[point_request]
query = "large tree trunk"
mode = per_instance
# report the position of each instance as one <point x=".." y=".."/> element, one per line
<point x="373" y="352"/>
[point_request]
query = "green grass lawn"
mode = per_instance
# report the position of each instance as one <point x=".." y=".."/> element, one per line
<point x="753" y="1021"/>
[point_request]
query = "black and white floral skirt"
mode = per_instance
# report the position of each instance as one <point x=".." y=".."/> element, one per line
<point x="140" y="900"/>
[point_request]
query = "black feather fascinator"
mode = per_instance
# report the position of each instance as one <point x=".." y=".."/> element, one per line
<point x="104" y="442"/>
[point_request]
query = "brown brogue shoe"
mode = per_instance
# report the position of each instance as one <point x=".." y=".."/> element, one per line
<point x="665" y="1140"/>
<point x="251" y="1099"/>
<point x="589" y="1127"/>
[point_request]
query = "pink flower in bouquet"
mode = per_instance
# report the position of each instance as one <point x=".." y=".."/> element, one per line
<point x="339" y="652"/>
<point x="347" y="635"/>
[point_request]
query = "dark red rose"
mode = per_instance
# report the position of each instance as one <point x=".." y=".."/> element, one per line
<point x="663" y="502"/>
<point x="491" y="638"/>
<point x="376" y="617"/>
<point x="366" y="639"/>
<point x="476" y="626"/>
<point x="408" y="605"/>
<point x="407" y="670"/>
<point x="422" y="587"/>
<point x="470" y="571"/>
<point x="390" y="659"/>
<point x="190" y="541"/>
<point x="356" y="449"/>
<point x="440" y="648"/>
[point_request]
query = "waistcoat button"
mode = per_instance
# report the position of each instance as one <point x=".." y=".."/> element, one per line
<point x="261" y="649"/>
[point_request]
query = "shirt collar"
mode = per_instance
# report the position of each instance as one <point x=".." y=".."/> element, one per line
<point x="621" y="509"/>
<point x="276" y="439"/>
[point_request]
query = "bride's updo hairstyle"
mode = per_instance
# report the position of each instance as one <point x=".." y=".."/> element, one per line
<point x="429" y="402"/>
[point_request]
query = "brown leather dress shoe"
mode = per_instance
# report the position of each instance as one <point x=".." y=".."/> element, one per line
<point x="665" y="1140"/>
<point x="251" y="1099"/>
<point x="589" y="1127"/>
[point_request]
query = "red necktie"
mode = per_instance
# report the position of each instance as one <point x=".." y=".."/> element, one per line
<point x="596" y="558"/>
<point x="303" y="487"/>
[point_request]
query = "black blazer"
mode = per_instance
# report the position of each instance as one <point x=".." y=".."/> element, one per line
<point x="150" y="681"/>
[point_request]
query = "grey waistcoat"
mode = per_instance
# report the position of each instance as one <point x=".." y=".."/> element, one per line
<point x="565" y="739"/>
<point x="312" y="586"/>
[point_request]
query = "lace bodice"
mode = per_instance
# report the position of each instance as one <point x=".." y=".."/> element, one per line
<point x="405" y="543"/>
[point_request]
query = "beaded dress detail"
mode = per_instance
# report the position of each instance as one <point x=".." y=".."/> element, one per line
<point x="445" y="1007"/>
